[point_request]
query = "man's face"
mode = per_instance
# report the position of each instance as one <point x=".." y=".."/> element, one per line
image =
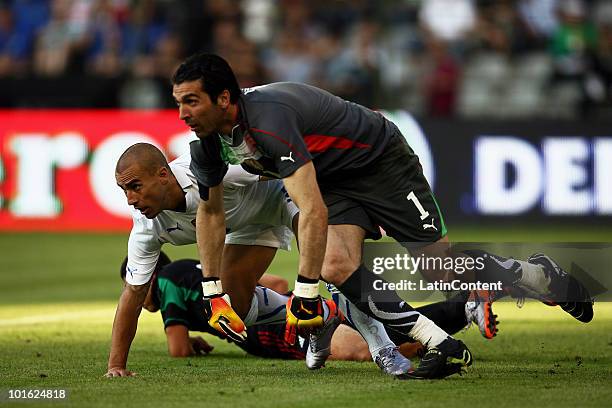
<point x="146" y="191"/>
<point x="197" y="110"/>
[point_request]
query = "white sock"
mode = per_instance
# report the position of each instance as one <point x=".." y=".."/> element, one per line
<point x="372" y="331"/>
<point x="533" y="278"/>
<point x="427" y="332"/>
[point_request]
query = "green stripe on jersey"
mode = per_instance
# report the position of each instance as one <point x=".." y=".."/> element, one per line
<point x="171" y="293"/>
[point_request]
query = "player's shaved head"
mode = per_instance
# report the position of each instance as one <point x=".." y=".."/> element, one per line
<point x="147" y="156"/>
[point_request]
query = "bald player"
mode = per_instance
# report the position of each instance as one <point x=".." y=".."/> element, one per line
<point x="164" y="198"/>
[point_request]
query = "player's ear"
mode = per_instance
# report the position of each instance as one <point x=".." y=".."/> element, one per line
<point x="163" y="174"/>
<point x="223" y="100"/>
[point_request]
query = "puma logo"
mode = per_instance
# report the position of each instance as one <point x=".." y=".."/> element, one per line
<point x="302" y="309"/>
<point x="290" y="158"/>
<point x="426" y="226"/>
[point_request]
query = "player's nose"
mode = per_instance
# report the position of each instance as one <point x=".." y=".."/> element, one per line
<point x="132" y="199"/>
<point x="183" y="113"/>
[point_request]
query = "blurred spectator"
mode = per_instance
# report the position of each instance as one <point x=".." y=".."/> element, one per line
<point x="353" y="72"/>
<point x="599" y="83"/>
<point x="58" y="42"/>
<point x="441" y="81"/>
<point x="13" y="44"/>
<point x="104" y="57"/>
<point x="500" y="28"/>
<point x="573" y="40"/>
<point x="448" y="20"/>
<point x="539" y="17"/>
<point x="288" y="59"/>
<point x="572" y="44"/>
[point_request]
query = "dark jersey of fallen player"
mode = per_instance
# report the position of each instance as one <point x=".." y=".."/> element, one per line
<point x="178" y="293"/>
<point x="284" y="125"/>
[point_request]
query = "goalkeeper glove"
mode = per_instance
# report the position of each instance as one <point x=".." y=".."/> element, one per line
<point x="304" y="313"/>
<point x="219" y="312"/>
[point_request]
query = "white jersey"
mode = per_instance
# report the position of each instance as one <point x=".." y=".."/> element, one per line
<point x="256" y="213"/>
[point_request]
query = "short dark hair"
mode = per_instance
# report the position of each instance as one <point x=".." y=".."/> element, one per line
<point x="214" y="72"/>
<point x="146" y="155"/>
<point x="162" y="261"/>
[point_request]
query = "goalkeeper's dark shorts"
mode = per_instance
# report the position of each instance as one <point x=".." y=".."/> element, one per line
<point x="268" y="341"/>
<point x="393" y="194"/>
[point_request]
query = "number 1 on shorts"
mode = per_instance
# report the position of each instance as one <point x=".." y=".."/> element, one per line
<point x="412" y="197"/>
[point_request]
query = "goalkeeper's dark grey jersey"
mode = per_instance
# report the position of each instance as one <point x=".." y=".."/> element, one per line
<point x="284" y="125"/>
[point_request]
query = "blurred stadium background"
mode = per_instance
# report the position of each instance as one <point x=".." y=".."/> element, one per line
<point x="442" y="58"/>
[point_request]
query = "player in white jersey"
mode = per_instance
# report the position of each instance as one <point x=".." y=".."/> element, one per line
<point x="259" y="217"/>
<point x="258" y="213"/>
<point x="165" y="200"/>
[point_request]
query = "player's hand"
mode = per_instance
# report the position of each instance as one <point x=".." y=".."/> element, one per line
<point x="200" y="346"/>
<point x="303" y="315"/>
<point x="119" y="372"/>
<point x="219" y="312"/>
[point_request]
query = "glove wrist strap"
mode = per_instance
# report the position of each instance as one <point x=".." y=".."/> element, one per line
<point x="306" y="290"/>
<point x="212" y="287"/>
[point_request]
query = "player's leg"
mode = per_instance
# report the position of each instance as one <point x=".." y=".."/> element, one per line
<point x="396" y="196"/>
<point x="382" y="349"/>
<point x="403" y="204"/>
<point x="342" y="266"/>
<point x="242" y="267"/>
<point x="347" y="344"/>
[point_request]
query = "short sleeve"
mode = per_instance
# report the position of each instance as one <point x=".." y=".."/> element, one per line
<point x="206" y="164"/>
<point x="280" y="138"/>
<point x="143" y="252"/>
<point x="237" y="176"/>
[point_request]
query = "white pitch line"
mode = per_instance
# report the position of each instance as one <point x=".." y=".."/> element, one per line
<point x="57" y="317"/>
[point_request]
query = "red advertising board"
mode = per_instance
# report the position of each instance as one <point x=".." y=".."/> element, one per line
<point x="57" y="167"/>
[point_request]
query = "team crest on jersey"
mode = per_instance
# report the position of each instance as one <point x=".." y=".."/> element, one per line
<point x="246" y="150"/>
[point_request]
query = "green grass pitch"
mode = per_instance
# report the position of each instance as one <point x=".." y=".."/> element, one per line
<point x="57" y="298"/>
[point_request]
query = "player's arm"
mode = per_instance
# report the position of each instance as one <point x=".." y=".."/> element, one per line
<point x="304" y="308"/>
<point x="124" y="328"/>
<point x="210" y="232"/>
<point x="312" y="228"/>
<point x="181" y="345"/>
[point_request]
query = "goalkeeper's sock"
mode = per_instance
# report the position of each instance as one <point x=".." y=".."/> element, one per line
<point x="372" y="331"/>
<point x="449" y="315"/>
<point x="534" y="278"/>
<point x="511" y="272"/>
<point x="267" y="307"/>
<point x="427" y="332"/>
<point x="383" y="305"/>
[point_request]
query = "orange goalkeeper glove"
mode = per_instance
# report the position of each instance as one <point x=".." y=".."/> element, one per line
<point x="218" y="310"/>
<point x="304" y="313"/>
